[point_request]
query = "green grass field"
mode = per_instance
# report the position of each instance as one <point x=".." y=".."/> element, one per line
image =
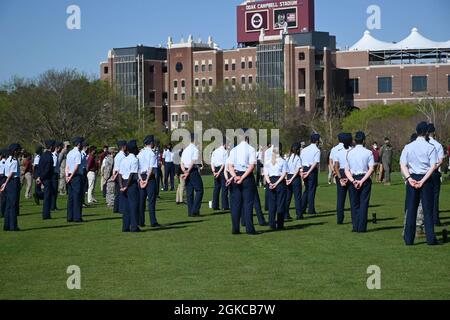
<point x="198" y="258"/>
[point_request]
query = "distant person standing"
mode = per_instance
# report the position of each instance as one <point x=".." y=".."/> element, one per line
<point x="3" y="157"/>
<point x="91" y="175"/>
<point x="62" y="188"/>
<point x="259" y="166"/>
<point x="190" y="160"/>
<point x="56" y="173"/>
<point x="122" y="146"/>
<point x="436" y="176"/>
<point x="218" y="164"/>
<point x="418" y="162"/>
<point x="38" y="193"/>
<point x="45" y="177"/>
<point x="342" y="182"/>
<point x="294" y="181"/>
<point x="267" y="157"/>
<point x="169" y="169"/>
<point x="386" y="153"/>
<point x="310" y="157"/>
<point x="359" y="169"/>
<point x="28" y="175"/>
<point x="376" y="157"/>
<point x="74" y="174"/>
<point x="11" y="187"/>
<point x="181" y="182"/>
<point x="107" y="172"/>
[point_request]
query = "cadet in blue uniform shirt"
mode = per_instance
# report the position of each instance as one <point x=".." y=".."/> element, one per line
<point x="45" y="177"/>
<point x="342" y="183"/>
<point x="294" y="181"/>
<point x="12" y="189"/>
<point x="169" y="169"/>
<point x="128" y="179"/>
<point x="436" y="177"/>
<point x="275" y="173"/>
<point x="242" y="161"/>
<point x="310" y="157"/>
<point x="3" y="156"/>
<point x="147" y="182"/>
<point x="83" y="165"/>
<point x="122" y="145"/>
<point x="418" y="162"/>
<point x="218" y="163"/>
<point x="359" y="169"/>
<point x="74" y="174"/>
<point x="189" y="165"/>
<point x="38" y="193"/>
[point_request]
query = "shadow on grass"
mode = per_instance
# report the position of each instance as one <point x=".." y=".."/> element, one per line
<point x="385" y="229"/>
<point x="296" y="227"/>
<point x="104" y="219"/>
<point x="182" y="223"/>
<point x="51" y="227"/>
<point x="163" y="228"/>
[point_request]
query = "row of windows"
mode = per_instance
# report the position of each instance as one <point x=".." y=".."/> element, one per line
<point x="243" y="80"/>
<point x="210" y="82"/>
<point x="184" y="117"/>
<point x="418" y="84"/>
<point x="244" y="65"/>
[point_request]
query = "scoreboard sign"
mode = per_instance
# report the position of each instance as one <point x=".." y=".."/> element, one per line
<point x="273" y="16"/>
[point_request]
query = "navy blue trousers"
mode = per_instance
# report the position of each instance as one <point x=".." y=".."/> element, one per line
<point x="147" y="196"/>
<point x="309" y="196"/>
<point x="38" y="191"/>
<point x="341" y="197"/>
<point x="194" y="184"/>
<point x="359" y="201"/>
<point x="277" y="205"/>
<point x="2" y="197"/>
<point x="413" y="198"/>
<point x="294" y="190"/>
<point x="48" y="193"/>
<point x="116" y="208"/>
<point x="220" y="185"/>
<point x="55" y="182"/>
<point x="436" y="178"/>
<point x="12" y="192"/>
<point x="74" y="200"/>
<point x="169" y="175"/>
<point x="130" y="208"/>
<point x="242" y="202"/>
<point x="258" y="210"/>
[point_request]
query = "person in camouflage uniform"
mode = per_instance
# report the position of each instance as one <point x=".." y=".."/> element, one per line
<point x="106" y="173"/>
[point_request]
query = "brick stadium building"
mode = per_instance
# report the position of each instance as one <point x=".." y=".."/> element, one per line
<point x="278" y="46"/>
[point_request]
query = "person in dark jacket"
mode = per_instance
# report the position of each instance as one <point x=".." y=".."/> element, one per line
<point x="45" y="177"/>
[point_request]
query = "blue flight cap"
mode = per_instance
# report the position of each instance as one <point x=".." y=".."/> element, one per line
<point x="422" y="128"/>
<point x="121" y="143"/>
<point x="77" y="140"/>
<point x="347" y="138"/>
<point x="315" y="137"/>
<point x="50" y="143"/>
<point x="341" y="137"/>
<point x="14" y="147"/>
<point x="360" y="136"/>
<point x="149" y="140"/>
<point x="431" y="128"/>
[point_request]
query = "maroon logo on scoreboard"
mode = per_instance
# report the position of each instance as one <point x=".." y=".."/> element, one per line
<point x="257" y="20"/>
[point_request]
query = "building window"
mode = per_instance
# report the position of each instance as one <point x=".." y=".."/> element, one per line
<point x="196" y="68"/>
<point x="419" y="84"/>
<point x="210" y="82"/>
<point x="233" y="81"/>
<point x="226" y="67"/>
<point x="385" y="85"/>
<point x="250" y="64"/>
<point x="301" y="56"/>
<point x="183" y="96"/>
<point x="183" y="83"/>
<point x="175" y="97"/>
<point x="242" y="80"/>
<point x="174" y="117"/>
<point x="243" y="65"/>
<point x="352" y="86"/>
<point x="210" y="69"/>
<point x="233" y="67"/>
<point x="196" y="82"/>
<point x="203" y="82"/>
<point x="151" y="97"/>
<point x="175" y="83"/>
<point x="227" y="81"/>
<point x="184" y="117"/>
<point x="105" y="70"/>
<point x="152" y="68"/>
<point x="179" y="67"/>
<point x="203" y="68"/>
<point x="250" y="80"/>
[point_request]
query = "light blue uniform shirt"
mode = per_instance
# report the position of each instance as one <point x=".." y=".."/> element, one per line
<point x="56" y="166"/>
<point x="73" y="159"/>
<point x="168" y="156"/>
<point x="419" y="156"/>
<point x="310" y="155"/>
<point x="118" y="159"/>
<point x="12" y="166"/>
<point x="219" y="157"/>
<point x="147" y="159"/>
<point x="293" y="164"/>
<point x="341" y="157"/>
<point x="276" y="170"/>
<point x="36" y="160"/>
<point x="242" y="156"/>
<point x="335" y="150"/>
<point x="190" y="156"/>
<point x="359" y="160"/>
<point x="439" y="149"/>
<point x="128" y="166"/>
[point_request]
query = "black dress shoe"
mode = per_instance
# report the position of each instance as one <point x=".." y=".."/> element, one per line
<point x="255" y="233"/>
<point x="79" y="221"/>
<point x="137" y="230"/>
<point x="264" y="224"/>
<point x="142" y="225"/>
<point x="155" y="225"/>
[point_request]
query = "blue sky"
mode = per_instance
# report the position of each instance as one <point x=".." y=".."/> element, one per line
<point x="34" y="37"/>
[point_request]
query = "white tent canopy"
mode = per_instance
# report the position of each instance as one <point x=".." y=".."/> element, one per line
<point x="414" y="41"/>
